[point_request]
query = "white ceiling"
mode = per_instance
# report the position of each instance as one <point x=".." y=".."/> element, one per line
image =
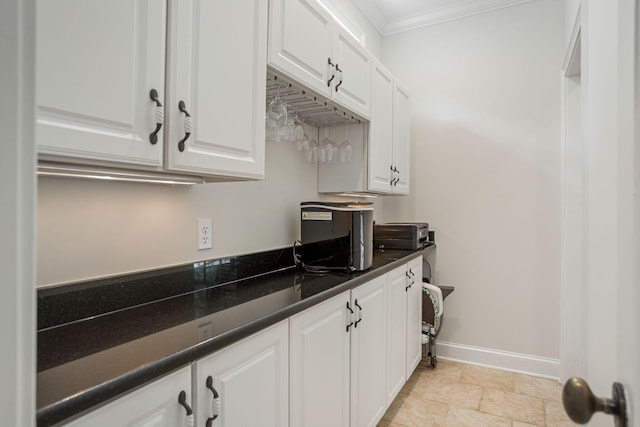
<point x="394" y="16"/>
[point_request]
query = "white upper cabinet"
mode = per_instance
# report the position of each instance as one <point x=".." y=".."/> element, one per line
<point x="216" y="87"/>
<point x="381" y="129"/>
<point x="352" y="85"/>
<point x="388" y="154"/>
<point x="300" y="42"/>
<point x="381" y="151"/>
<point x="97" y="62"/>
<point x="306" y="44"/>
<point x="401" y="139"/>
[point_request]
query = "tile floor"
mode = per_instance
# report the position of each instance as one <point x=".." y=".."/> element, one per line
<point x="456" y="394"/>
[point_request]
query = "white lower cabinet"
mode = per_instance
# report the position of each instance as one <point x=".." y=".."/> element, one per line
<point x="404" y="325"/>
<point x="368" y="353"/>
<point x="414" y="315"/>
<point x="319" y="364"/>
<point x="250" y="379"/>
<point x="338" y="359"/>
<point x="154" y="405"/>
<point x="338" y="363"/>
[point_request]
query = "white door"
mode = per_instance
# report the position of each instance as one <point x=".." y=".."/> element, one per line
<point x="396" y="332"/>
<point x="18" y="214"/>
<point x="216" y="87"/>
<point x="97" y="62"/>
<point x="401" y="138"/>
<point x="154" y="405"/>
<point x="352" y="86"/>
<point x="251" y="378"/>
<point x="610" y="240"/>
<point x="300" y="42"/>
<point x="319" y="365"/>
<point x="380" y="152"/>
<point x="368" y="353"/>
<point x="414" y="314"/>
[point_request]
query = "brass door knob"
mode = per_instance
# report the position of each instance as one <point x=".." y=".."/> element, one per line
<point x="580" y="403"/>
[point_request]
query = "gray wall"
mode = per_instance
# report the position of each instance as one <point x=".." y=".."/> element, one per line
<point x="486" y="171"/>
<point x="89" y="229"/>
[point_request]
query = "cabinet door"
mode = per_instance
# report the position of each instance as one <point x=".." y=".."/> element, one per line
<point x="97" y="62"/>
<point x="251" y="378"/>
<point x="319" y="365"/>
<point x="154" y="405"/>
<point x="380" y="153"/>
<point x="217" y="69"/>
<point x="401" y="138"/>
<point x="396" y="332"/>
<point x="352" y="85"/>
<point x="368" y="353"/>
<point x="414" y="315"/>
<point x="300" y="42"/>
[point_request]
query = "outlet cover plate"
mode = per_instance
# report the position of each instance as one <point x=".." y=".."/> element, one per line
<point x="204" y="233"/>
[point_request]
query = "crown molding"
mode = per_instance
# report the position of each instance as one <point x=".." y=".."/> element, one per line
<point x="373" y="13"/>
<point x="461" y="9"/>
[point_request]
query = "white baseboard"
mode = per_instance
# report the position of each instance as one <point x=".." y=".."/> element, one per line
<point x="504" y="360"/>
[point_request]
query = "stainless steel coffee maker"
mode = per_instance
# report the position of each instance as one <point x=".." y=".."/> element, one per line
<point x="339" y="234"/>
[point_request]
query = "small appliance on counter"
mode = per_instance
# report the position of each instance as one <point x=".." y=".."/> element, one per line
<point x="401" y="235"/>
<point x="337" y="235"/>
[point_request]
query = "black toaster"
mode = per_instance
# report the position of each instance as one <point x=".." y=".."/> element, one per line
<point x="401" y="235"/>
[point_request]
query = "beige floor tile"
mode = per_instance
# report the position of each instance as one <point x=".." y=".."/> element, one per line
<point x="554" y="414"/>
<point x="447" y="369"/>
<point x="466" y="418"/>
<point x="456" y="394"/>
<point x="415" y="412"/>
<point x="515" y="406"/>
<point x="385" y="423"/>
<point x="488" y="378"/>
<point x="417" y="382"/>
<point x="538" y="387"/>
<point x="395" y="407"/>
<point x="453" y="393"/>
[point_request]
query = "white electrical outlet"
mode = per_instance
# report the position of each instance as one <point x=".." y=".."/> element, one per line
<point x="204" y="233"/>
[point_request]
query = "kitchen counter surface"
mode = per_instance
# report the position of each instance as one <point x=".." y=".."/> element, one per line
<point x="99" y="339"/>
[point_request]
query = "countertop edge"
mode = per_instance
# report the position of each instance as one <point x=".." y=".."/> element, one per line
<point x="87" y="400"/>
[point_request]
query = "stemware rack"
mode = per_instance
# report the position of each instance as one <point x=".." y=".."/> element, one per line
<point x="311" y="108"/>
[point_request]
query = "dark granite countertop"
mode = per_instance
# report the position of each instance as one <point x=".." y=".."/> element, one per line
<point x="100" y="339"/>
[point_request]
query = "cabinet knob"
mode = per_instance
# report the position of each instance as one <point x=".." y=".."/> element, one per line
<point x="187" y="125"/>
<point x="339" y="77"/>
<point x="158" y="116"/>
<point x="580" y="403"/>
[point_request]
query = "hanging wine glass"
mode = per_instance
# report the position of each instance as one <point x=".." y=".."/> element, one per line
<point x="346" y="151"/>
